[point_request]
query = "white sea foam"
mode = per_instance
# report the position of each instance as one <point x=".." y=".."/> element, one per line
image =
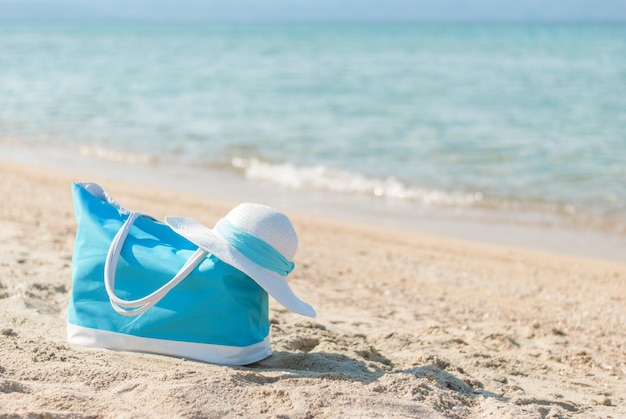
<point x="342" y="181"/>
<point x="115" y="155"/>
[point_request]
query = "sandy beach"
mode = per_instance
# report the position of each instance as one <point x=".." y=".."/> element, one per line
<point x="409" y="325"/>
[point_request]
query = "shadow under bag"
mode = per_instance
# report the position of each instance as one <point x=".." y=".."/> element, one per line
<point x="138" y="285"/>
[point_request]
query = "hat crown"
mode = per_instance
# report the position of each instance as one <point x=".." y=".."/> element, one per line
<point x="267" y="224"/>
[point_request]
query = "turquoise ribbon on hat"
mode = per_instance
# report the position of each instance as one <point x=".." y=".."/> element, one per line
<point x="254" y="248"/>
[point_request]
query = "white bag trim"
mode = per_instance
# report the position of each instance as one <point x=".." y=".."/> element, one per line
<point x="215" y="354"/>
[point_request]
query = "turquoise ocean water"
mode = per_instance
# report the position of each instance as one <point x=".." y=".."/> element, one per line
<point x="530" y="118"/>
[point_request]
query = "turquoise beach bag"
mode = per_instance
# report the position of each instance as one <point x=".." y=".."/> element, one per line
<point x="138" y="285"/>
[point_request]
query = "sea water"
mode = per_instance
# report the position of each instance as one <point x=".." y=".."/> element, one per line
<point x="523" y="118"/>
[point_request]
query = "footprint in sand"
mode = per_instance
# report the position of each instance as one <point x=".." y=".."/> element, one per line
<point x="304" y="344"/>
<point x="10" y="386"/>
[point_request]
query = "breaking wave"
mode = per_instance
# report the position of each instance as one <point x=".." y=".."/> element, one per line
<point x="320" y="177"/>
<point x="115" y="155"/>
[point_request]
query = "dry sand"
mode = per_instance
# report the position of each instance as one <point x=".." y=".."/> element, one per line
<point x="409" y="325"/>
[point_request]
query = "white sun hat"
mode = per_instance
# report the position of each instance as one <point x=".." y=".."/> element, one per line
<point x="257" y="240"/>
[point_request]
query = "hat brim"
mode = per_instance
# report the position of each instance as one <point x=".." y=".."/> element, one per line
<point x="212" y="242"/>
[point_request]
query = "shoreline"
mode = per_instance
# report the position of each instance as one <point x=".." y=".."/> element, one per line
<point x="511" y="228"/>
<point x="408" y="324"/>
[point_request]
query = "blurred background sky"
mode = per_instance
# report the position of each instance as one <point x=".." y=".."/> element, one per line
<point x="315" y="10"/>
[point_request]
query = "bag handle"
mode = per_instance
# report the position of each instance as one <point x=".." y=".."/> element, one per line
<point x="141" y="305"/>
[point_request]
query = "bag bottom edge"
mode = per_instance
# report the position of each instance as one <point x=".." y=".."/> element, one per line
<point x="205" y="352"/>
